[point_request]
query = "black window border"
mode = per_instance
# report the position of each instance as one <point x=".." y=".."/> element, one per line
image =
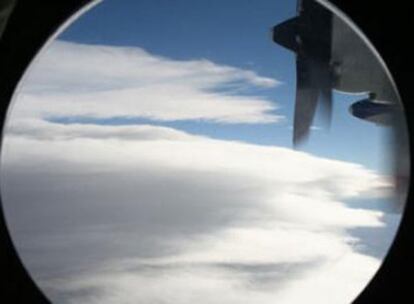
<point x="388" y="25"/>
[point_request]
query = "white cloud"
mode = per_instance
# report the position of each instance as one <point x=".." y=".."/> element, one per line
<point x="43" y="130"/>
<point x="106" y="81"/>
<point x="159" y="215"/>
<point x="230" y="284"/>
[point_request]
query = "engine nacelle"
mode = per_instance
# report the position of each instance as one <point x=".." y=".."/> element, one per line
<point x="374" y="111"/>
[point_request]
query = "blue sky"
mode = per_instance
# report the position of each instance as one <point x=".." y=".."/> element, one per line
<point x="234" y="33"/>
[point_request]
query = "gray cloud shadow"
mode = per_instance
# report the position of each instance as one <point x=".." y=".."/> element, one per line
<point x="260" y="277"/>
<point x="68" y="222"/>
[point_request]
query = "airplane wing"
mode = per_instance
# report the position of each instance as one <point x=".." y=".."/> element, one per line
<point x="331" y="55"/>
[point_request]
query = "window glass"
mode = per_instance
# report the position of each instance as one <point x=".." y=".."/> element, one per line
<point x="168" y="152"/>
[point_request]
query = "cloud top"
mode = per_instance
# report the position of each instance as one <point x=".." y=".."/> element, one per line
<point x="104" y="81"/>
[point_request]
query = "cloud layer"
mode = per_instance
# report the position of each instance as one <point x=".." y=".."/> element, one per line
<point x="149" y="214"/>
<point x="113" y="219"/>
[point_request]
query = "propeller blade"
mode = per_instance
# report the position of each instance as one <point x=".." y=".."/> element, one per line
<point x="326" y="107"/>
<point x="309" y="35"/>
<point x="306" y="101"/>
<point x="325" y="83"/>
